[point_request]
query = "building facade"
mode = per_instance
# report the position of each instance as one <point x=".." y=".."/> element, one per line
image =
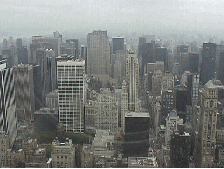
<point x="71" y="94"/>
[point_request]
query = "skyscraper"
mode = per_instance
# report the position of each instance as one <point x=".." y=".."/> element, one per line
<point x="193" y="62"/>
<point x="206" y="138"/>
<point x="221" y="67"/>
<point x="71" y="94"/>
<point x="98" y="56"/>
<point x="132" y="79"/>
<point x="7" y="103"/>
<point x="118" y="44"/>
<point x="208" y="62"/>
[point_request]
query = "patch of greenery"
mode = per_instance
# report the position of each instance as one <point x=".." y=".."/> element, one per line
<point x="48" y="148"/>
<point x="45" y="137"/>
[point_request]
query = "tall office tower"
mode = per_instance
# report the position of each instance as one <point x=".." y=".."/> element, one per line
<point x="46" y="43"/>
<point x="157" y="79"/>
<point x="167" y="105"/>
<point x="208" y="62"/>
<point x="193" y="62"/>
<point x="136" y="134"/>
<point x="159" y="65"/>
<point x="37" y="87"/>
<point x="24" y="92"/>
<point x="221" y="67"/>
<point x="206" y="142"/>
<point x="119" y="66"/>
<point x="22" y="55"/>
<point x="172" y="122"/>
<point x="178" y="50"/>
<point x="71" y="94"/>
<point x="98" y="56"/>
<point x="7" y="103"/>
<point x="195" y="89"/>
<point x="19" y="43"/>
<point x="184" y="62"/>
<point x="107" y="111"/>
<point x="180" y="146"/>
<point x="83" y="55"/>
<point x="168" y="81"/>
<point x="142" y="40"/>
<point x="149" y="38"/>
<point x="4" y="44"/>
<point x="124" y="104"/>
<point x="147" y="56"/>
<point x="161" y="54"/>
<point x="70" y="47"/>
<point x="180" y="102"/>
<point x="132" y="79"/>
<point x="117" y="44"/>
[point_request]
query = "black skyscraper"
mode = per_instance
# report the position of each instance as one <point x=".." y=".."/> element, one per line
<point x="221" y="67"/>
<point x="208" y="62"/>
<point x="162" y="55"/>
<point x="118" y="44"/>
<point x="193" y="62"/>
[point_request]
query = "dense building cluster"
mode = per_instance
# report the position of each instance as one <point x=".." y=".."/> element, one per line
<point x="111" y="102"/>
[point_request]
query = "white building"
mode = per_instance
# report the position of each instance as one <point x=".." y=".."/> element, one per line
<point x="71" y="94"/>
<point x="132" y="79"/>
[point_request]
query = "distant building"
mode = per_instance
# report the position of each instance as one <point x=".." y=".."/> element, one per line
<point x="193" y="62"/>
<point x="162" y="55"/>
<point x="157" y="80"/>
<point x="208" y="62"/>
<point x="117" y="44"/>
<point x="98" y="56"/>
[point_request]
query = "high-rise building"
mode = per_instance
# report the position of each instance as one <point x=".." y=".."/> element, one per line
<point x="168" y="81"/>
<point x="221" y="67"/>
<point x="117" y="44"/>
<point x="132" y="79"/>
<point x="184" y="62"/>
<point x="71" y="94"/>
<point x="98" y="56"/>
<point x="7" y="103"/>
<point x="19" y="43"/>
<point x="161" y="54"/>
<point x="157" y="80"/>
<point x="208" y="62"/>
<point x="206" y="138"/>
<point x="136" y="134"/>
<point x="24" y="91"/>
<point x="193" y="62"/>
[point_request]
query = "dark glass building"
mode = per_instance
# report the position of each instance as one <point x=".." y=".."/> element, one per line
<point x="193" y="62"/>
<point x="118" y="44"/>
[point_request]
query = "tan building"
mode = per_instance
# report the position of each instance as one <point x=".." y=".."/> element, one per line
<point x="142" y="162"/>
<point x="98" y="56"/>
<point x="157" y="79"/>
<point x="168" y="81"/>
<point x="63" y="154"/>
<point x="206" y="142"/>
<point x="107" y="111"/>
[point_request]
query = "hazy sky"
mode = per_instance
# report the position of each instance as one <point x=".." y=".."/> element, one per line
<point x="146" y="16"/>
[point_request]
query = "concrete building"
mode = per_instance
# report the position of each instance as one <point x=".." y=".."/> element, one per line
<point x="63" y="154"/>
<point x="24" y="92"/>
<point x="167" y="104"/>
<point x="168" y="81"/>
<point x="107" y="111"/>
<point x="98" y="56"/>
<point x="206" y="142"/>
<point x="4" y="140"/>
<point x="132" y="80"/>
<point x="71" y="94"/>
<point x="124" y="104"/>
<point x="52" y="100"/>
<point x="157" y="80"/>
<point x="90" y="115"/>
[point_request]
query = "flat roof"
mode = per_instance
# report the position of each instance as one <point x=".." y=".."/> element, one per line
<point x="136" y="114"/>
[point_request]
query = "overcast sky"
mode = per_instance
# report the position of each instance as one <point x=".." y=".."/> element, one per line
<point x="145" y="16"/>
